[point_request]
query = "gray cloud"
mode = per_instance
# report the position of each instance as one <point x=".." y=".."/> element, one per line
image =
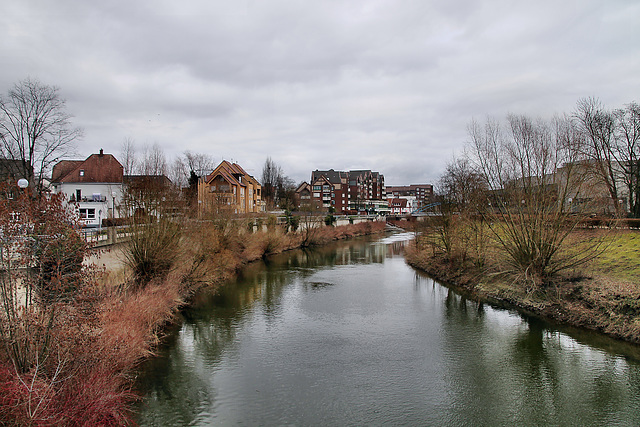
<point x="387" y="85"/>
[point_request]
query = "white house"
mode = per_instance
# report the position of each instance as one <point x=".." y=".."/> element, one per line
<point x="402" y="205"/>
<point x="94" y="186"/>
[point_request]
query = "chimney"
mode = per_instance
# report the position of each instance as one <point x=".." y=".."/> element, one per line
<point x="101" y="152"/>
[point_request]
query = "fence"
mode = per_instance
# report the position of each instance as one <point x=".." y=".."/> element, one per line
<point x="105" y="236"/>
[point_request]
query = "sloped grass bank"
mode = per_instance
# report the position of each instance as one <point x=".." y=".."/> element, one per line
<point x="602" y="295"/>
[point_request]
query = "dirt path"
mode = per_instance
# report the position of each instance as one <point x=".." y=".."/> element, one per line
<point x="109" y="257"/>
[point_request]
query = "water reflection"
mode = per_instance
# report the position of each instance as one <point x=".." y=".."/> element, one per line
<point x="350" y="335"/>
<point x="504" y="369"/>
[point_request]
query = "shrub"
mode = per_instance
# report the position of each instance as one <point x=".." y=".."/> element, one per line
<point x="152" y="250"/>
<point x="329" y="220"/>
<point x="41" y="254"/>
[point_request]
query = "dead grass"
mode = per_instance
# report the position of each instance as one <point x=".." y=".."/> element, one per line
<point x="101" y="343"/>
<point x="602" y="295"/>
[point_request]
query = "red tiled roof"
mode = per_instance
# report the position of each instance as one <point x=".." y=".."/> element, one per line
<point x="63" y="168"/>
<point x="96" y="168"/>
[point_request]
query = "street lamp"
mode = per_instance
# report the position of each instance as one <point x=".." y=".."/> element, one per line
<point x="23" y="184"/>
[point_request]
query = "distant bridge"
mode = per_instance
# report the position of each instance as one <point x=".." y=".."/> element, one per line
<point x="425" y="210"/>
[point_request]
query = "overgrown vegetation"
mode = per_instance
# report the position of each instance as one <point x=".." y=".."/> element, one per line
<point x="50" y="369"/>
<point x="71" y="340"/>
<point x="516" y="219"/>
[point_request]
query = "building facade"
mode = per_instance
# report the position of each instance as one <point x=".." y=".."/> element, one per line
<point x="351" y="192"/>
<point x="229" y="189"/>
<point x="94" y="186"/>
<point x="417" y="195"/>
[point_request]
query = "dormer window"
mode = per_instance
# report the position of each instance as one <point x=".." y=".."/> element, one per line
<point x="81" y="172"/>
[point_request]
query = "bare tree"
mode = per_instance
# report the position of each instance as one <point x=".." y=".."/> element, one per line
<point x="198" y="163"/>
<point x="178" y="173"/>
<point x="197" y="166"/>
<point x="154" y="161"/>
<point x="286" y="192"/>
<point x="627" y="153"/>
<point x="458" y="229"/>
<point x="271" y="174"/>
<point x="128" y="156"/>
<point x="533" y="174"/>
<point x="460" y="185"/>
<point x="35" y="128"/>
<point x="598" y="127"/>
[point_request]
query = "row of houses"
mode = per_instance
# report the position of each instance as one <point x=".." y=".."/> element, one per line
<point x="356" y="191"/>
<point x="361" y="191"/>
<point x="98" y="189"/>
<point x="407" y="199"/>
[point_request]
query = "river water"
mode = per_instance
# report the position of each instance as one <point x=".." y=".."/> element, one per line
<point x="348" y="334"/>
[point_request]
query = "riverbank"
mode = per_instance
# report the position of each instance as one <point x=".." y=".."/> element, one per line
<point x="102" y="339"/>
<point x="602" y="295"/>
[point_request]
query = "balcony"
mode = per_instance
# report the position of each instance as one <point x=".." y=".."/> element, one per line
<point x="95" y="199"/>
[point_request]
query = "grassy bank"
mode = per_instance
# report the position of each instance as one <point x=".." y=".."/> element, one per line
<point x="601" y="295"/>
<point x="101" y="340"/>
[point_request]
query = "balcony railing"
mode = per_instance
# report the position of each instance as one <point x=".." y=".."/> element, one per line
<point x="89" y="199"/>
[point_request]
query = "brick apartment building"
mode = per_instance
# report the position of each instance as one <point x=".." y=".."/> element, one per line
<point x="418" y="195"/>
<point x="352" y="192"/>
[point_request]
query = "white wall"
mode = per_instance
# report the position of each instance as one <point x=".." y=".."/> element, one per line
<point x="102" y="209"/>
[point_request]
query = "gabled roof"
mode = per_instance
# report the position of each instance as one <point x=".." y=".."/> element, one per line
<point x="232" y="173"/>
<point x="96" y="168"/>
<point x="63" y="168"/>
<point x="304" y="185"/>
<point x="397" y="202"/>
<point x="320" y="178"/>
<point x="333" y="176"/>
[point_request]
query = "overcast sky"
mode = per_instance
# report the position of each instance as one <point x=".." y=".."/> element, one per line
<point x="387" y="85"/>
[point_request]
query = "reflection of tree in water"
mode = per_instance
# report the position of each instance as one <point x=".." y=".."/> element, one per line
<point x="175" y="392"/>
<point x="556" y="366"/>
<point x="211" y="323"/>
<point x="396" y="248"/>
<point x="502" y="370"/>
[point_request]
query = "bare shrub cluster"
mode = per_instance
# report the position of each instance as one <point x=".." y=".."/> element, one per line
<point x="512" y="202"/>
<point x="53" y="370"/>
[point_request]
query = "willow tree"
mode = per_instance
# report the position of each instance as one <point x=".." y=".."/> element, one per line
<point x="537" y="192"/>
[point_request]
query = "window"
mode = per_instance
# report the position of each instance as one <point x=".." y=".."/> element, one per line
<point x="317" y="187"/>
<point x="87" y="213"/>
<point x="78" y="195"/>
<point x="81" y="172"/>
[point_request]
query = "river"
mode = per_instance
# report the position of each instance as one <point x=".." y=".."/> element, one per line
<point x="348" y="334"/>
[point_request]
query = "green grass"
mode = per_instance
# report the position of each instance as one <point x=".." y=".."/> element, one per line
<point x="620" y="259"/>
